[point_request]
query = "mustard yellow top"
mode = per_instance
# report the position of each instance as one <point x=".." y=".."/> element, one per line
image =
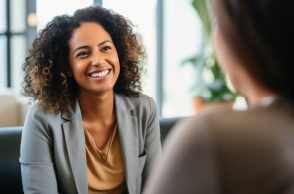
<point x="105" y="177"/>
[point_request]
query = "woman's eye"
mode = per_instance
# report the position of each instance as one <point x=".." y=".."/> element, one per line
<point x="106" y="48"/>
<point x="82" y="53"/>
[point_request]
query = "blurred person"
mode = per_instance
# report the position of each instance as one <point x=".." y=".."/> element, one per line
<point x="225" y="151"/>
<point x="92" y="131"/>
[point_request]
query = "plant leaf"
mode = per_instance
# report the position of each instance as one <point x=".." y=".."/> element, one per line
<point x="202" y="8"/>
<point x="193" y="60"/>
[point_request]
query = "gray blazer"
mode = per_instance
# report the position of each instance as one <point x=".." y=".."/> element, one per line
<point x="232" y="152"/>
<point x="53" y="156"/>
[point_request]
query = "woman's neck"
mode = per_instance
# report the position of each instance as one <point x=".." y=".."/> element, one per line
<point x="96" y="107"/>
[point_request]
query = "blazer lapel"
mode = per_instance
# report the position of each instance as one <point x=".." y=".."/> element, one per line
<point x="75" y="144"/>
<point x="128" y="135"/>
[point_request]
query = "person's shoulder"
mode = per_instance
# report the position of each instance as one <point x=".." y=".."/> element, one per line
<point x="36" y="121"/>
<point x="227" y="119"/>
<point x="236" y="128"/>
<point x="202" y="130"/>
<point x="224" y="119"/>
<point x="140" y="97"/>
<point x="36" y="112"/>
<point x="140" y="101"/>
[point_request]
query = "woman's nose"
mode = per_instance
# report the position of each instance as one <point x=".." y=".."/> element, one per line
<point x="98" y="59"/>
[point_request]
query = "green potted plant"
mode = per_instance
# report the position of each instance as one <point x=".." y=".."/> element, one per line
<point x="211" y="83"/>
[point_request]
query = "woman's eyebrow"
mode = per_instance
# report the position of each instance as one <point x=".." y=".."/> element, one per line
<point x="101" y="43"/>
<point x="81" y="47"/>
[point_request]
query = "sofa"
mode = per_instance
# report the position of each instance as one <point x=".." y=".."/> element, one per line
<point x="10" y="173"/>
<point x="13" y="108"/>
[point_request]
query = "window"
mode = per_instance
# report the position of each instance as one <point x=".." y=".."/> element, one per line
<point x="3" y="62"/>
<point x="3" y="43"/>
<point x="17" y="41"/>
<point x="12" y="42"/>
<point x="182" y="39"/>
<point x="47" y="10"/>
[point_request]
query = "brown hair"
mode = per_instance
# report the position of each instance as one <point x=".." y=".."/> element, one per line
<point x="45" y="69"/>
<point x="260" y="33"/>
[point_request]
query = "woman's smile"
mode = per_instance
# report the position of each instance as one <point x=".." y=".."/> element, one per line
<point x="100" y="74"/>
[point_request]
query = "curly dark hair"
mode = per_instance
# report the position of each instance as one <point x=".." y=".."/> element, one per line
<point x="46" y="67"/>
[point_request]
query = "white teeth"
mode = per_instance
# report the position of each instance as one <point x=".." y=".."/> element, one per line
<point x="100" y="74"/>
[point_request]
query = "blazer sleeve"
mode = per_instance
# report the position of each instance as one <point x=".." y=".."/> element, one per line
<point x="187" y="165"/>
<point x="152" y="141"/>
<point x="36" y="155"/>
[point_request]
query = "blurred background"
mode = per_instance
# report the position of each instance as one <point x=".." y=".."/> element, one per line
<point x="182" y="73"/>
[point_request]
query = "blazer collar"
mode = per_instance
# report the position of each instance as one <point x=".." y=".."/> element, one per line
<point x="73" y="112"/>
<point x="75" y="143"/>
<point x="128" y="135"/>
<point x="123" y="103"/>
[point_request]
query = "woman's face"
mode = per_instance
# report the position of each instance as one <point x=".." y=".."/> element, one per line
<point x="93" y="58"/>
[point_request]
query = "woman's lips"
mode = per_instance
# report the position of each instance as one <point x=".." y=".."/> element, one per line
<point x="100" y="75"/>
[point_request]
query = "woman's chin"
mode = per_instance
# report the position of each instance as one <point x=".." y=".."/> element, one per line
<point x="102" y="90"/>
<point x="94" y="90"/>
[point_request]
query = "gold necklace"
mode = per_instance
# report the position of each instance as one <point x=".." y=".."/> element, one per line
<point x="109" y="143"/>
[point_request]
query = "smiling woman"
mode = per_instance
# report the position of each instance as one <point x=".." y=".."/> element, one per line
<point x="52" y="47"/>
<point x="92" y="44"/>
<point x="92" y="130"/>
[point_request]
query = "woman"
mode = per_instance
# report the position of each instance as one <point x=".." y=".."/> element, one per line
<point x="92" y="130"/>
<point x="225" y="151"/>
